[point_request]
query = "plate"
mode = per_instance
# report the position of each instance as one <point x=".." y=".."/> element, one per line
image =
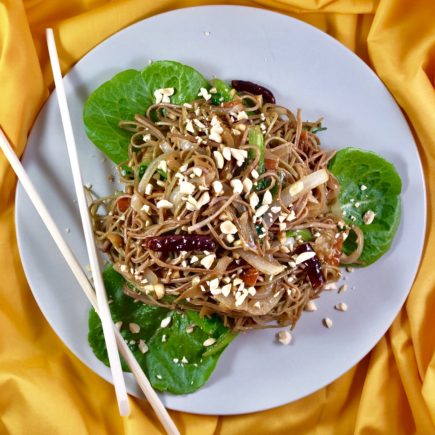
<point x="304" y="68"/>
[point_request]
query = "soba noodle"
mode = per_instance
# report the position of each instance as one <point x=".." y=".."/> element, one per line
<point x="180" y="180"/>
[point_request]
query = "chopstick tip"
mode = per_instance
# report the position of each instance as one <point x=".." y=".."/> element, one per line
<point x="124" y="408"/>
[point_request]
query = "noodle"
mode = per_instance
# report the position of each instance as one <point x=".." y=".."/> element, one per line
<point x="174" y="147"/>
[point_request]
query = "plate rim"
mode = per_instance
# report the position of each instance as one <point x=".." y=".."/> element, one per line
<point x="422" y="182"/>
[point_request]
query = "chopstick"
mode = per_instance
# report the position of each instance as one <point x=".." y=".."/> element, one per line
<point x="103" y="305"/>
<point x="81" y="278"/>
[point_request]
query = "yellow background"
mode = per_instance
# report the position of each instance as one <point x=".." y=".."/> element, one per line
<point x="44" y="389"/>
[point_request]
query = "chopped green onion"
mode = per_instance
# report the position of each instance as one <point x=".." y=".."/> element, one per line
<point x="223" y="92"/>
<point x="317" y="129"/>
<point x="305" y="234"/>
<point x="256" y="138"/>
<point x="163" y="174"/>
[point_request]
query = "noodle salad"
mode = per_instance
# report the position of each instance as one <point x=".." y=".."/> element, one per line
<point x="231" y="209"/>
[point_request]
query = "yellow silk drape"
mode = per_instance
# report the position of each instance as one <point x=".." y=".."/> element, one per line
<point x="44" y="389"/>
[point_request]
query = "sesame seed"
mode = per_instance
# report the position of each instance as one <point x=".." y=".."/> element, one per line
<point x="198" y="123"/>
<point x="219" y="159"/>
<point x="143" y="346"/>
<point x="227" y="227"/>
<point x="149" y="189"/>
<point x="163" y="203"/>
<point x="343" y="288"/>
<point x="118" y="325"/>
<point x="267" y="198"/>
<point x="254" y="174"/>
<point x="254" y="200"/>
<point x="134" y="328"/>
<point x="275" y="209"/>
<point x="239" y="155"/>
<point x="291" y="216"/>
<point x="186" y="188"/>
<point x="204" y="94"/>
<point x="369" y="217"/>
<point x="327" y="322"/>
<point x="241" y="298"/>
<point x="349" y="269"/>
<point x="284" y="337"/>
<point x="189" y="329"/>
<point x="215" y="136"/>
<point x="237" y="186"/>
<point x="208" y="260"/>
<point x="217" y="186"/>
<point x="159" y="376"/>
<point x="165" y="322"/>
<point x="163" y="165"/>
<point x="247" y="185"/>
<point x="184" y="360"/>
<point x="213" y="284"/>
<point x="261" y="210"/>
<point x="341" y="306"/>
<point x="329" y="286"/>
<point x="164" y="338"/>
<point x="209" y="342"/>
<point x="310" y="306"/>
<point x="226" y="152"/>
<point x="226" y="290"/>
<point x="203" y="199"/>
<point x="242" y="115"/>
<point x="363" y="187"/>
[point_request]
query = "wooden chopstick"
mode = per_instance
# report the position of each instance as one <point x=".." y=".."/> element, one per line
<point x="103" y="305"/>
<point x="87" y="288"/>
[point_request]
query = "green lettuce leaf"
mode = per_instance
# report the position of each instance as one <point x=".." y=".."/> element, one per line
<point x="129" y="93"/>
<point x="168" y="348"/>
<point x="380" y="193"/>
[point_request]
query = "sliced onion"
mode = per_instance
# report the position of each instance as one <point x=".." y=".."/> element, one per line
<point x="136" y="202"/>
<point x="150" y="172"/>
<point x="308" y="183"/>
<point x="165" y="147"/>
<point x="246" y="230"/>
<point x="295" y="190"/>
<point x="252" y="307"/>
<point x="353" y="258"/>
<point x="222" y="265"/>
<point x="268" y="267"/>
<point x="175" y="196"/>
<point x="185" y="145"/>
<point x="150" y="276"/>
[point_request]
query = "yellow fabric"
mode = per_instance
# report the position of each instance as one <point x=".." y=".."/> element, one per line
<point x="44" y="389"/>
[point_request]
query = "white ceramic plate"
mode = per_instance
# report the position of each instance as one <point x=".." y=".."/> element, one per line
<point x="304" y="68"/>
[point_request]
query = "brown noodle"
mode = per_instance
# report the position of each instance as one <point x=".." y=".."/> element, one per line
<point x="123" y="220"/>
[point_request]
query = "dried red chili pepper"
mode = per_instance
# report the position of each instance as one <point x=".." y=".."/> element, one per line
<point x="179" y="242"/>
<point x="312" y="266"/>
<point x="253" y="88"/>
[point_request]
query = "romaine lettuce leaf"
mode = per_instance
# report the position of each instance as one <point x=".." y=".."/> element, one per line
<point x="129" y="93"/>
<point x="168" y="348"/>
<point x="368" y="182"/>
